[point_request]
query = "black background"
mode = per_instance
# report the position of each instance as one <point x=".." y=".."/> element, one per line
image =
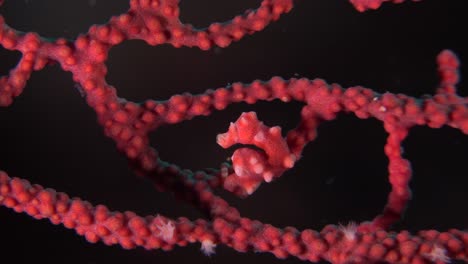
<point x="51" y="137"/>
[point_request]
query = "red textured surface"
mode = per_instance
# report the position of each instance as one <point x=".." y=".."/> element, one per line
<point x="128" y="124"/>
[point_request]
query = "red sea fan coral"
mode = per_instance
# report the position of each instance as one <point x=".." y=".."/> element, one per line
<point x="340" y="45"/>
